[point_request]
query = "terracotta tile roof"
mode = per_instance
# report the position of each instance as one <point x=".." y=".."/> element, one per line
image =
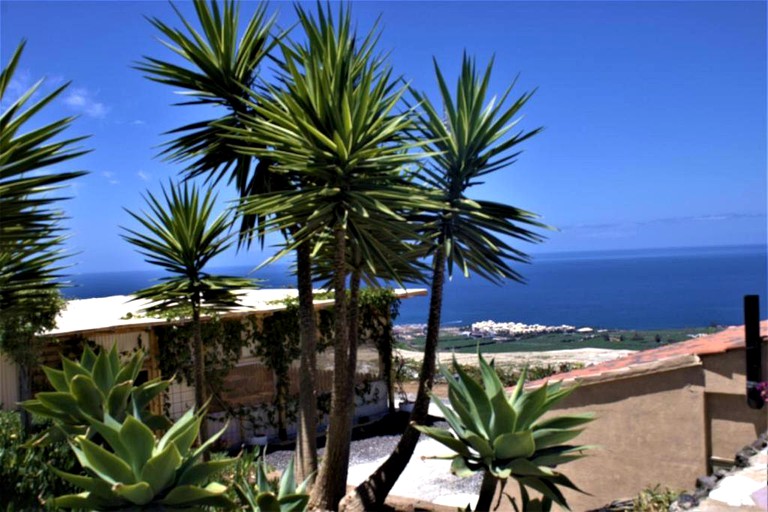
<point x="676" y="355"/>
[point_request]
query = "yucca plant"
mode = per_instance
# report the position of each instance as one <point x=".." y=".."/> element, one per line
<point x="265" y="495"/>
<point x="96" y="387"/>
<point x="469" y="136"/>
<point x="335" y="125"/>
<point x="31" y="178"/>
<point x="504" y="436"/>
<point x="181" y="236"/>
<point x="142" y="472"/>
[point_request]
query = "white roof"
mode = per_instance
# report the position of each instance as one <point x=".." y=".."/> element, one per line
<point x="121" y="311"/>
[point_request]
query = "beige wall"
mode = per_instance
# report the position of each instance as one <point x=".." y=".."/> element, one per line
<point x="649" y="430"/>
<point x="731" y="423"/>
<point x="662" y="427"/>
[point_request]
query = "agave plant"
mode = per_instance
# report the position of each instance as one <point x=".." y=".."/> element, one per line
<point x="142" y="472"/>
<point x="264" y="495"/>
<point x="95" y="387"/>
<point x="504" y="435"/>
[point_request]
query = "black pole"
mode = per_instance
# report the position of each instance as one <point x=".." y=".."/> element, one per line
<point x="753" y="350"/>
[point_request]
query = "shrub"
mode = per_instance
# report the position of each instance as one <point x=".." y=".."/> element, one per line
<point x="504" y="436"/>
<point x="25" y="477"/>
<point x="141" y="472"/>
<point x="257" y="493"/>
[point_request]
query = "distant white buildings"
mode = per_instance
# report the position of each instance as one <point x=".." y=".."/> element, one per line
<point x="490" y="329"/>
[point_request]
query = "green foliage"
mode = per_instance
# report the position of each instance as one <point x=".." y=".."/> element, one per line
<point x="505" y="436"/>
<point x="219" y="66"/>
<point x="468" y="138"/>
<point x="258" y="493"/>
<point x="31" y="236"/>
<point x="25" y="475"/>
<point x="334" y="127"/>
<point x="135" y="470"/>
<point x="378" y="309"/>
<point x="97" y="387"/>
<point x="654" y="499"/>
<point x="224" y="341"/>
<point x="181" y="237"/>
<point x="20" y="326"/>
<point x="509" y="375"/>
<point x="276" y="341"/>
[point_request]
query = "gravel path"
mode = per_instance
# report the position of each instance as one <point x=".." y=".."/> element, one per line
<point x="431" y="479"/>
<point x="425" y="479"/>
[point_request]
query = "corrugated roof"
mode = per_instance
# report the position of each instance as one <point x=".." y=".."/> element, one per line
<point x="676" y="355"/>
<point x="121" y="312"/>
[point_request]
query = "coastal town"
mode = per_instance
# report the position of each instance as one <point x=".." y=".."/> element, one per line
<point x="487" y="329"/>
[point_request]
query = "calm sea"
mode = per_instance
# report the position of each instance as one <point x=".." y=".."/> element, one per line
<point x="648" y="289"/>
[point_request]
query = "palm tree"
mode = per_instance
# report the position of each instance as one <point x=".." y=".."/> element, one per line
<point x="182" y="237"/>
<point x="222" y="72"/>
<point x="30" y="230"/>
<point x="31" y="234"/>
<point x="335" y="128"/>
<point x="472" y="140"/>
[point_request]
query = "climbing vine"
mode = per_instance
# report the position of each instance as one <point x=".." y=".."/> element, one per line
<point x="275" y="340"/>
<point x="223" y="339"/>
<point x="379" y="307"/>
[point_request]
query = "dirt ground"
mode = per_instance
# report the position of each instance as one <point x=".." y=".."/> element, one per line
<point x="586" y="356"/>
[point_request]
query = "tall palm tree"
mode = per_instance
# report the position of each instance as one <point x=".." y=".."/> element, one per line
<point x="31" y="233"/>
<point x="472" y="139"/>
<point x="181" y="236"/>
<point x="222" y="71"/>
<point x="335" y="127"/>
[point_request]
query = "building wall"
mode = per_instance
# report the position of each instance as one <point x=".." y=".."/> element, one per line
<point x="648" y="430"/>
<point x="9" y="383"/>
<point x="731" y="423"/>
<point x="663" y="427"/>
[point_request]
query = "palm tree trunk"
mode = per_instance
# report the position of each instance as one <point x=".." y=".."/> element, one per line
<point x="385" y="353"/>
<point x="370" y="494"/>
<point x="25" y="393"/>
<point x="199" y="352"/>
<point x="487" y="490"/>
<point x="306" y="442"/>
<point x="332" y="480"/>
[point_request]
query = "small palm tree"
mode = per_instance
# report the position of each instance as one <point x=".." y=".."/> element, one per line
<point x="472" y="139"/>
<point x="182" y="237"/>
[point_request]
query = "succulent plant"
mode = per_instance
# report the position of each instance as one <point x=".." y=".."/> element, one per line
<point x="142" y="472"/>
<point x="505" y="436"/>
<point x="97" y="386"/>
<point x="264" y="495"/>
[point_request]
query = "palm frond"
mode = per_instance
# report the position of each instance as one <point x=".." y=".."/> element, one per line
<point x="31" y="233"/>
<point x="473" y="138"/>
<point x="179" y="233"/>
<point x="219" y="69"/>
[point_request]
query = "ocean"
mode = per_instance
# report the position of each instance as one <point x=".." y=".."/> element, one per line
<point x="637" y="289"/>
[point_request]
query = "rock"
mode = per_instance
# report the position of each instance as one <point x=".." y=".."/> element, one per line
<point x="706" y="482"/>
<point x="720" y="473"/>
<point x="701" y="494"/>
<point x="742" y="458"/>
<point x="684" y="502"/>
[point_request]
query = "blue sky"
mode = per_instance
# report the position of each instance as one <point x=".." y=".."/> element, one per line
<point x="654" y="112"/>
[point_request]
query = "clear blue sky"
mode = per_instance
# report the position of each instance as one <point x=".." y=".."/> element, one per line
<point x="654" y="112"/>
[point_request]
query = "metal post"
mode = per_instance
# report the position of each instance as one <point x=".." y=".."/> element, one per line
<point x="753" y="350"/>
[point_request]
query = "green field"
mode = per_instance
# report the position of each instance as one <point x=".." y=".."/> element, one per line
<point x="611" y="339"/>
